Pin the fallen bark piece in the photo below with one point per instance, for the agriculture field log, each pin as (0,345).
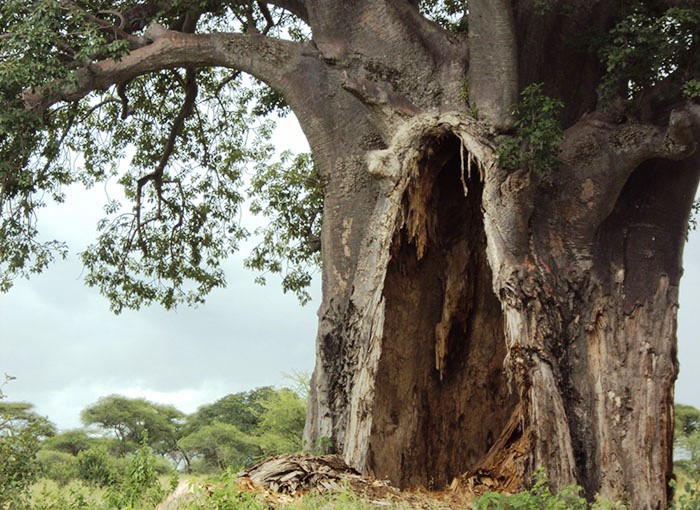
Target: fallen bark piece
(289,474)
(292,476)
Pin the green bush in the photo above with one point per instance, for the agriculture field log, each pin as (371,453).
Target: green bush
(535,145)
(74,496)
(20,434)
(18,466)
(540,497)
(688,498)
(58,466)
(96,466)
(140,487)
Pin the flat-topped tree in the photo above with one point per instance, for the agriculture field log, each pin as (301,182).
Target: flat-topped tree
(506,190)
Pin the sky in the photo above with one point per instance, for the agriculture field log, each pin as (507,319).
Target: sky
(67,349)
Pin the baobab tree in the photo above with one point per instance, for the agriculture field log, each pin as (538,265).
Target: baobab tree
(505,185)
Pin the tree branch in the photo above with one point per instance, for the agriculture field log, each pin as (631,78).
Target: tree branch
(188,105)
(265,58)
(296,7)
(599,156)
(118,31)
(493,61)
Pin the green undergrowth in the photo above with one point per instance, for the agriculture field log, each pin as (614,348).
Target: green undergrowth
(223,493)
(541,497)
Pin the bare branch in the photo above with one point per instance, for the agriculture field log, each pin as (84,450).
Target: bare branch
(118,15)
(268,17)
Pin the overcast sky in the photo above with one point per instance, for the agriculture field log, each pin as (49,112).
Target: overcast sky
(66,349)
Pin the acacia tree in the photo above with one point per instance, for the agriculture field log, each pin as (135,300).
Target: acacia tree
(506,190)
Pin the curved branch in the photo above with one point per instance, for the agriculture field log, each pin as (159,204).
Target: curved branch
(118,31)
(599,156)
(265,58)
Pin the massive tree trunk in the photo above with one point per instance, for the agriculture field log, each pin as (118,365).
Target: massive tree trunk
(480,318)
(502,321)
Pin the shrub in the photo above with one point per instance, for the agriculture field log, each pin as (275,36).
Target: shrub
(540,497)
(688,498)
(140,487)
(58,466)
(535,145)
(95,466)
(20,433)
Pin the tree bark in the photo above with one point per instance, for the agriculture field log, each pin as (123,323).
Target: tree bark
(504,321)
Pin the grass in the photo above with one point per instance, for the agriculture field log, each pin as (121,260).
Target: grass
(223,492)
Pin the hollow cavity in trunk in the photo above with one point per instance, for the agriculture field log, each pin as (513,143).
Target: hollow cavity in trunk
(442,398)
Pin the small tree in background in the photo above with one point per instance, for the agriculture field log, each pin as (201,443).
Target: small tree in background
(220,445)
(282,423)
(132,420)
(687,440)
(21,431)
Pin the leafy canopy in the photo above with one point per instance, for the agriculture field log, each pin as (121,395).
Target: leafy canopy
(173,147)
(136,421)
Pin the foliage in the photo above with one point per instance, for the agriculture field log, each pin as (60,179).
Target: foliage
(21,415)
(236,430)
(140,488)
(135,420)
(96,466)
(242,410)
(693,220)
(174,144)
(58,466)
(21,431)
(134,485)
(69,441)
(35,38)
(221,445)
(691,90)
(540,497)
(18,465)
(283,422)
(450,14)
(689,498)
(686,440)
(288,193)
(535,145)
(686,420)
(184,221)
(651,45)
(241,428)
(73,496)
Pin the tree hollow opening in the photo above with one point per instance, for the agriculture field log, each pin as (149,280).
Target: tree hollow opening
(441,395)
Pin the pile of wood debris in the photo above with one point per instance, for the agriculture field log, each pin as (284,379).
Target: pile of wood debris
(285,478)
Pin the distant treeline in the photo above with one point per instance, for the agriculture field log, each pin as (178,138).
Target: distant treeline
(232,432)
